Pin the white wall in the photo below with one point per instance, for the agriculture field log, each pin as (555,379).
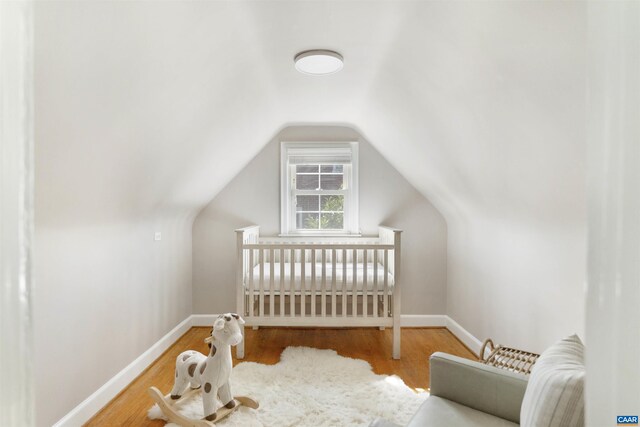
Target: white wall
(490,126)
(253,197)
(520,283)
(613,318)
(16,214)
(517,223)
(105,291)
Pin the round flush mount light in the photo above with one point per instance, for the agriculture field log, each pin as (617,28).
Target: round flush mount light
(318,62)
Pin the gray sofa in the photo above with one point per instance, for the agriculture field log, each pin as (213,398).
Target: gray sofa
(468,393)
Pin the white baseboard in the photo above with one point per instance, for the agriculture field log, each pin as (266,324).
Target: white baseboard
(435,320)
(463,335)
(422,320)
(92,404)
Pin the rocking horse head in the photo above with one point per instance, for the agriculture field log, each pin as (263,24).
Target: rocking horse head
(226,329)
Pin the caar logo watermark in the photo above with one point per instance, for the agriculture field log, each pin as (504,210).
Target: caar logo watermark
(627,420)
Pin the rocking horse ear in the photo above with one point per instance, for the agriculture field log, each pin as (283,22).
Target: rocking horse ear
(240,320)
(218,324)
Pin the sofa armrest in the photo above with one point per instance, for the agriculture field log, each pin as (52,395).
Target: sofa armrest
(486,388)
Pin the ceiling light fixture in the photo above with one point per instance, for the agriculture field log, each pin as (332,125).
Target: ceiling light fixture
(318,62)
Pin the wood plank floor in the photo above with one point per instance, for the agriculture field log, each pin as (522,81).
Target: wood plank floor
(130,407)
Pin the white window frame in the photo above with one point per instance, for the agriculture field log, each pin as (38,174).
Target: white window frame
(287,194)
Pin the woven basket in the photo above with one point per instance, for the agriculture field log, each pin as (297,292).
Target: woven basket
(511,359)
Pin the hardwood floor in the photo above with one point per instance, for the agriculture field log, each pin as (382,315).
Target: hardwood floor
(130,407)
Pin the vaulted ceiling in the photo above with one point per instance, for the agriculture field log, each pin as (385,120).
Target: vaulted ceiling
(144,107)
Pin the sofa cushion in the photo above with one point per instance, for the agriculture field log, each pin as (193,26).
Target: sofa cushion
(440,412)
(555,394)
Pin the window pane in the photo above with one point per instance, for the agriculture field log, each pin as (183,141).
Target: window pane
(306,168)
(332,182)
(307,203)
(307,221)
(332,203)
(332,221)
(331,169)
(306,182)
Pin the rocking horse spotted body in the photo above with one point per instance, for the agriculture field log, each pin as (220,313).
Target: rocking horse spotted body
(210,374)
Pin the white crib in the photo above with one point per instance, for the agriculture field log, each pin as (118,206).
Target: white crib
(289,281)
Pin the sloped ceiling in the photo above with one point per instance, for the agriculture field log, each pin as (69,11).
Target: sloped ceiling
(159,104)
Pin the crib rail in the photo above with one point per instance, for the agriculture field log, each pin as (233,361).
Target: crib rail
(351,282)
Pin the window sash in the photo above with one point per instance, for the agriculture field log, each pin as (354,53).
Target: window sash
(293,225)
(295,154)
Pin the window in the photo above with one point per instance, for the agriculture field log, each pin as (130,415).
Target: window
(319,188)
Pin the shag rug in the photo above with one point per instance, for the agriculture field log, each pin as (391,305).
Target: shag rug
(311,387)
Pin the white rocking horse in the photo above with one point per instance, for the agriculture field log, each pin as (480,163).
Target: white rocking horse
(210,374)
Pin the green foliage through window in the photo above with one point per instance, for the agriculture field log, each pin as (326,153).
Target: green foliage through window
(322,210)
(331,215)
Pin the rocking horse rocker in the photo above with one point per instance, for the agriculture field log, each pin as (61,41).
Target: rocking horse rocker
(210,374)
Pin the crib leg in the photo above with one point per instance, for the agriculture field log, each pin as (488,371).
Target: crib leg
(240,347)
(396,337)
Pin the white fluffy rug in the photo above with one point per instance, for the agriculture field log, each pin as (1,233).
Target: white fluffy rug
(311,387)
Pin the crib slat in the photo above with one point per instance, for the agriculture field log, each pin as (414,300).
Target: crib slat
(343,287)
(385,301)
(281,288)
(251,285)
(261,302)
(354,284)
(333,283)
(375,283)
(271,283)
(313,283)
(364,283)
(292,285)
(303,282)
(323,298)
